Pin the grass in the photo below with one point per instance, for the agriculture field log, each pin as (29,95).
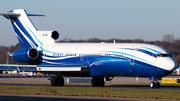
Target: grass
(94,91)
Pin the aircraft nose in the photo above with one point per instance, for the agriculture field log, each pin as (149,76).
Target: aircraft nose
(172,64)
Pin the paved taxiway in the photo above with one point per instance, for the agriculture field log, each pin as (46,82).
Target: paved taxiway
(118,80)
(17,97)
(114,80)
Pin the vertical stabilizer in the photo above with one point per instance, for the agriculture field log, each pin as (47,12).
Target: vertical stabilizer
(25,30)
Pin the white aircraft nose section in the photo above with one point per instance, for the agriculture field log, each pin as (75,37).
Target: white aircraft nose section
(168,63)
(171,64)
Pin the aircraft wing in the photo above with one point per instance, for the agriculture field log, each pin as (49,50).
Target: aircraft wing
(45,68)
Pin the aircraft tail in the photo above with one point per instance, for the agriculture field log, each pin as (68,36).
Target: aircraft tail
(27,34)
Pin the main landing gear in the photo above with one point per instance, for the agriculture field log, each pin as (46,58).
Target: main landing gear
(57,81)
(154,84)
(98,81)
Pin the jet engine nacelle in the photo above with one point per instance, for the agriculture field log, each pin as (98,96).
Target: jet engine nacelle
(51,34)
(47,36)
(25,55)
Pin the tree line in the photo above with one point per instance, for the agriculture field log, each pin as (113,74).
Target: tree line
(168,42)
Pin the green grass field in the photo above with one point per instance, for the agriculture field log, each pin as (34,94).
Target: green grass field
(94,91)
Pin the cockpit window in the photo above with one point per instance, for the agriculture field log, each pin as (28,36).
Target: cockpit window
(156,55)
(162,55)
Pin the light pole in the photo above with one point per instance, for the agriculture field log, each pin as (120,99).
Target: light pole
(8,57)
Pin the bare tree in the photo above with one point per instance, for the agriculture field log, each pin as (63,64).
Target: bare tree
(168,38)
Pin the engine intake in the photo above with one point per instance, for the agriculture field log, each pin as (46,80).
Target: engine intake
(33,54)
(55,35)
(25,55)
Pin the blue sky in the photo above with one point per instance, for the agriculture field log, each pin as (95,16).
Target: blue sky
(104,19)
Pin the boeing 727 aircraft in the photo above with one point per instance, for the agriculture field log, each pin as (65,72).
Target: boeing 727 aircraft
(102,61)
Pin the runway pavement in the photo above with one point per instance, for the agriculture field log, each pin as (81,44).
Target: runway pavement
(114,80)
(119,80)
(18,97)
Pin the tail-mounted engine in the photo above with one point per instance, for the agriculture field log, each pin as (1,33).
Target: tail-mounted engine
(55,35)
(47,36)
(25,55)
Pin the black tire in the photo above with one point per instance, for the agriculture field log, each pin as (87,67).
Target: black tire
(157,85)
(152,84)
(60,81)
(101,82)
(54,82)
(94,82)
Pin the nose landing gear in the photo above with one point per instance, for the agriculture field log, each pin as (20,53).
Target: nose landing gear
(154,84)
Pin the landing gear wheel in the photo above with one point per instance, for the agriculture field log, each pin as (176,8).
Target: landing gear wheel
(54,82)
(101,82)
(98,81)
(157,85)
(94,82)
(152,84)
(60,81)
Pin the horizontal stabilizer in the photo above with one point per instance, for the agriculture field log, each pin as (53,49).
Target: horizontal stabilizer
(18,14)
(10,14)
(35,15)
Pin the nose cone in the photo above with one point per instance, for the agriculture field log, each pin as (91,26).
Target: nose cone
(171,64)
(168,64)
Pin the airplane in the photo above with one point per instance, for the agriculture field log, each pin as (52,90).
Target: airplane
(101,61)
